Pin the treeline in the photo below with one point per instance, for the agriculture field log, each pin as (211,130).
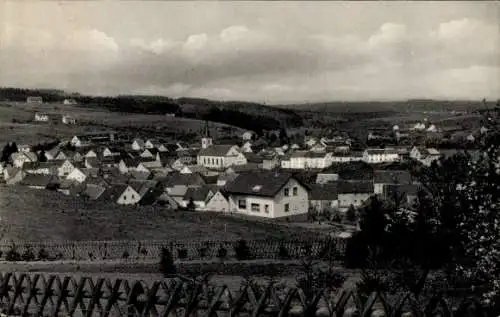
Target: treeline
(132,104)
(246,121)
(20,94)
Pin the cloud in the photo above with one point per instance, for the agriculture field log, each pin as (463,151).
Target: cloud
(259,60)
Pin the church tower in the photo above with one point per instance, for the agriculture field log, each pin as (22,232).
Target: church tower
(206,140)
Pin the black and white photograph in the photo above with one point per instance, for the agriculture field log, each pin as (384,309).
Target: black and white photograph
(249,158)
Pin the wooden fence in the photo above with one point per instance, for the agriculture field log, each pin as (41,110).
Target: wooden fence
(53,296)
(193,250)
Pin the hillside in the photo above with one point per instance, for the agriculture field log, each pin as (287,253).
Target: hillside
(384,107)
(245,115)
(29,214)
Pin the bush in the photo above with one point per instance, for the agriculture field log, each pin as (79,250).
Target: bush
(28,255)
(242,250)
(182,253)
(222,252)
(202,252)
(283,253)
(12,255)
(43,254)
(167,266)
(125,255)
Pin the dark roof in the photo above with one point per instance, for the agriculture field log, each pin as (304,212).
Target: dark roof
(249,167)
(93,191)
(323,192)
(392,177)
(38,180)
(253,158)
(216,150)
(113,192)
(406,189)
(262,183)
(150,196)
(355,187)
(198,193)
(173,179)
(212,179)
(356,171)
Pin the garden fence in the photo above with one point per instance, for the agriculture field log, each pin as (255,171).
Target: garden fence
(53,296)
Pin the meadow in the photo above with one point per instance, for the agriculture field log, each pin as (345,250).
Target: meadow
(33,215)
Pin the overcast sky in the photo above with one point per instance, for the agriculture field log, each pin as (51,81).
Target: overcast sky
(274,52)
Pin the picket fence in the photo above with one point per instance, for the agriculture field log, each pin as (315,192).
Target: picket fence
(150,249)
(53,296)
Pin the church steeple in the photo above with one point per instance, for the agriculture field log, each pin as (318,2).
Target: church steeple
(206,139)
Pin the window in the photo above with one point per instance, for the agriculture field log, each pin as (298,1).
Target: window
(295,190)
(287,207)
(124,197)
(266,209)
(287,192)
(255,207)
(242,204)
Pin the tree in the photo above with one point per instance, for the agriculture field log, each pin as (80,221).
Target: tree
(351,214)
(191,205)
(42,157)
(13,147)
(167,266)
(6,152)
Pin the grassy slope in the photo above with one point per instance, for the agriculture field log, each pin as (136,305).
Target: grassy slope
(29,214)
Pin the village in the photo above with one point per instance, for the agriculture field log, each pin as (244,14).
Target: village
(323,173)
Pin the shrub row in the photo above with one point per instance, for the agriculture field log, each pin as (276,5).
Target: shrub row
(239,250)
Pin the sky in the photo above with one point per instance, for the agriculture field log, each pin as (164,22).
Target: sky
(270,52)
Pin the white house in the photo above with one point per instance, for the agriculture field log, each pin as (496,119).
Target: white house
(77,175)
(129,196)
(218,202)
(90,153)
(374,156)
(34,100)
(66,119)
(41,117)
(220,156)
(24,148)
(65,168)
(353,193)
(69,102)
(247,136)
(149,144)
(267,194)
(138,145)
(19,158)
(247,147)
(424,155)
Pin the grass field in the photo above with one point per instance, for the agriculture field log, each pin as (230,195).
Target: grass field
(30,214)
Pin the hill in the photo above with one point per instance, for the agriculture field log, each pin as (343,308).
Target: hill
(34,215)
(385,107)
(249,116)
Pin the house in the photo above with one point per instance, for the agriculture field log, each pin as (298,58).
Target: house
(220,156)
(268,194)
(246,147)
(425,155)
(310,141)
(38,181)
(219,201)
(383,178)
(138,145)
(113,193)
(70,102)
(199,196)
(149,144)
(45,168)
(406,193)
(129,196)
(70,187)
(19,158)
(247,136)
(109,152)
(2,167)
(94,138)
(41,117)
(323,196)
(66,119)
(24,148)
(65,168)
(224,178)
(202,170)
(353,193)
(270,161)
(13,175)
(91,153)
(374,156)
(34,100)
(78,174)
